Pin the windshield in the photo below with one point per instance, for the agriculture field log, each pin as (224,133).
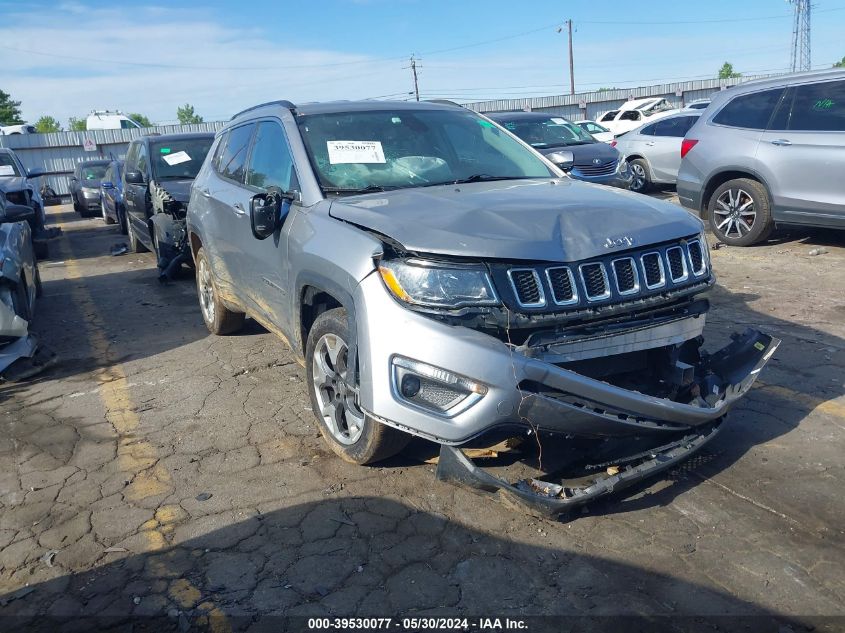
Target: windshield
(179,159)
(551,132)
(8,166)
(389,149)
(93,172)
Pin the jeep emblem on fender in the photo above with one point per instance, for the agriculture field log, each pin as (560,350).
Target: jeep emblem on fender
(615,242)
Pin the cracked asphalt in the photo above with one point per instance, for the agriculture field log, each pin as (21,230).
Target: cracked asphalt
(158,470)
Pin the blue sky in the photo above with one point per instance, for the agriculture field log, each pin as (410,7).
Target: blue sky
(66,58)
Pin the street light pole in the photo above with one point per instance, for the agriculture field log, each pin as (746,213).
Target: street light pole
(571,61)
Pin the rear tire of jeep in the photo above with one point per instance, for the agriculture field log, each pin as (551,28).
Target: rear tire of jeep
(20,300)
(217,317)
(353,435)
(39,287)
(641,181)
(740,213)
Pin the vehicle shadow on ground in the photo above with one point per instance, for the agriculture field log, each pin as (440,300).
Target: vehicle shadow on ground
(362,556)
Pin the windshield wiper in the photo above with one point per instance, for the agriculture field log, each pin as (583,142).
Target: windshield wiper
(367,189)
(485,178)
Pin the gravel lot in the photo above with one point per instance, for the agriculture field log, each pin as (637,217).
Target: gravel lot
(158,470)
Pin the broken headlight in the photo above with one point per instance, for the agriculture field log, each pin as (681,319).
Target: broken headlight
(426,283)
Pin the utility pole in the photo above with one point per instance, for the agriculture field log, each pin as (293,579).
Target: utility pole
(800,58)
(416,83)
(571,61)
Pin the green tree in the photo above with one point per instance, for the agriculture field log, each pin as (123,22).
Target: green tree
(140,119)
(727,71)
(840,64)
(75,124)
(47,124)
(186,115)
(10,110)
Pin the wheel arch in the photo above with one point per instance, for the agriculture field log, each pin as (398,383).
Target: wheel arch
(316,294)
(718,179)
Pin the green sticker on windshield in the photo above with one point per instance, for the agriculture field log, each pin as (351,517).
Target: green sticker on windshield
(164,150)
(484,123)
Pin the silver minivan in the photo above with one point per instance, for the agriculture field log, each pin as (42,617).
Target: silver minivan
(768,152)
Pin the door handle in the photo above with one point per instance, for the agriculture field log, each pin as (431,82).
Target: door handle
(205,193)
(781,142)
(650,143)
(239,209)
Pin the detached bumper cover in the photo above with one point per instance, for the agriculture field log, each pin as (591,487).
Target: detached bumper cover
(552,499)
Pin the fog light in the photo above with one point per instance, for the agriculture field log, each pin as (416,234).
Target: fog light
(410,386)
(434,388)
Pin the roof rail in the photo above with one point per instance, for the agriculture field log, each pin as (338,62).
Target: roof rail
(444,102)
(282,102)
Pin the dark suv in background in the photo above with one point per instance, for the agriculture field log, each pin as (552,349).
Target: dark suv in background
(568,146)
(158,171)
(768,152)
(85,185)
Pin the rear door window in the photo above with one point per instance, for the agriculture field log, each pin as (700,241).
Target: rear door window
(676,126)
(751,111)
(610,115)
(630,115)
(818,107)
(232,162)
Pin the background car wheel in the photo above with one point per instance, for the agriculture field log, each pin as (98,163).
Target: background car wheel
(134,244)
(41,249)
(350,433)
(740,212)
(106,217)
(121,218)
(76,206)
(641,181)
(39,288)
(218,318)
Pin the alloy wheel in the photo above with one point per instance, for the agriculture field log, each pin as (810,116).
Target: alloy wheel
(338,401)
(206,290)
(639,177)
(735,212)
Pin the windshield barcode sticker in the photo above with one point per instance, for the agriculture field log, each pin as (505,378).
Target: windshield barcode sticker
(175,159)
(344,152)
(7,170)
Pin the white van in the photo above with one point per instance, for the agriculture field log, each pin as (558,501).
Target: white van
(25,128)
(108,120)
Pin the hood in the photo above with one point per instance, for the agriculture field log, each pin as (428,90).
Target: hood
(179,189)
(584,154)
(544,220)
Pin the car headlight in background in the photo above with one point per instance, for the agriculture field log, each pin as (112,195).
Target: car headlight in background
(90,191)
(425,283)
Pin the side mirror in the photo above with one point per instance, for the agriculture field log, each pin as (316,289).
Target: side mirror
(134,177)
(17,213)
(107,185)
(35,172)
(267,212)
(564,159)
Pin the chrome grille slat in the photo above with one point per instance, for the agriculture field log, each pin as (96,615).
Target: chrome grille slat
(597,170)
(562,282)
(527,287)
(677,262)
(594,277)
(655,274)
(626,275)
(697,257)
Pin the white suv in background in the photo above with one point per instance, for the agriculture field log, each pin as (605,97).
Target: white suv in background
(634,113)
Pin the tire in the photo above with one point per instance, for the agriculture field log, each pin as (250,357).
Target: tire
(76,206)
(121,218)
(39,288)
(740,213)
(134,244)
(351,434)
(20,300)
(217,317)
(41,249)
(641,182)
(106,217)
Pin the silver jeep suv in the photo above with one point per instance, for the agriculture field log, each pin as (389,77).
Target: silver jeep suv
(437,277)
(768,152)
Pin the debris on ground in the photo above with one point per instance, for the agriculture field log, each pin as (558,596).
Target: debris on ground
(24,359)
(717,245)
(119,249)
(203,496)
(818,251)
(48,557)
